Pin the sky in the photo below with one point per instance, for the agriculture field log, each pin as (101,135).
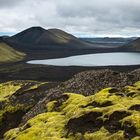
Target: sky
(83,18)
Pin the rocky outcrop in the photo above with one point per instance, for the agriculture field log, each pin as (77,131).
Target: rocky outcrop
(16,98)
(106,115)
(86,83)
(90,105)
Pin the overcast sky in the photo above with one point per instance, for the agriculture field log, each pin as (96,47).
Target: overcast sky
(79,17)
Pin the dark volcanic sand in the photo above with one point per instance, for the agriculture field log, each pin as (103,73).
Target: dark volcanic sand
(23,71)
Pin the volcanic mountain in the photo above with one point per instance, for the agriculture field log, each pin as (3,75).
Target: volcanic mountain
(41,41)
(37,38)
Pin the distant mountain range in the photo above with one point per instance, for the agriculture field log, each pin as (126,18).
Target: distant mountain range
(110,40)
(39,43)
(38,38)
(134,45)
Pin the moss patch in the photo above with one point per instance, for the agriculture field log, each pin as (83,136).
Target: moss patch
(16,98)
(78,117)
(10,88)
(7,89)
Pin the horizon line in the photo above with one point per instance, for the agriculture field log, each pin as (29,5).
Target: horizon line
(82,35)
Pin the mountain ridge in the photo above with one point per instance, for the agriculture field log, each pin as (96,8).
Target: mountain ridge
(40,38)
(134,45)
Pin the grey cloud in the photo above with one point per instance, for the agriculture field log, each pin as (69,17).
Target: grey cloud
(116,17)
(112,11)
(9,3)
(109,15)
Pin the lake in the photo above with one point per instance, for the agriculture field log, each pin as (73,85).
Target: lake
(101,59)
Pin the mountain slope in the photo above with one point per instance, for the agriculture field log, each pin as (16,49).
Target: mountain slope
(39,38)
(8,54)
(134,45)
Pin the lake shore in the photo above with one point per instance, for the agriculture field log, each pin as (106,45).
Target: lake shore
(23,71)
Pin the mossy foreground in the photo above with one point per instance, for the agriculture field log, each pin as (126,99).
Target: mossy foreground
(16,98)
(107,115)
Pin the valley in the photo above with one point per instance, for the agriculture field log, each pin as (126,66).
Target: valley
(37,43)
(99,78)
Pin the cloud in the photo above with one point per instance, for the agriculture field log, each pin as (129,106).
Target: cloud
(9,3)
(94,17)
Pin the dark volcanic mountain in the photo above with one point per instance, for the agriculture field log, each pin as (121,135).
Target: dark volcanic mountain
(45,42)
(37,38)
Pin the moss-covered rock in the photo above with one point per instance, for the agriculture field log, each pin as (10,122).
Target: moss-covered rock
(10,88)
(16,98)
(107,115)
(87,83)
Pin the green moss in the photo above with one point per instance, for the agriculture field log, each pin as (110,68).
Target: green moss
(51,105)
(12,134)
(52,124)
(41,128)
(133,90)
(11,109)
(134,120)
(72,107)
(136,138)
(34,85)
(9,88)
(103,134)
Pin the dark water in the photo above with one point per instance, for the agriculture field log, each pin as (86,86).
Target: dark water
(102,59)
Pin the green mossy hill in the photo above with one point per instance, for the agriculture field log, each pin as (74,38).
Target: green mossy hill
(16,98)
(87,83)
(110,114)
(8,54)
